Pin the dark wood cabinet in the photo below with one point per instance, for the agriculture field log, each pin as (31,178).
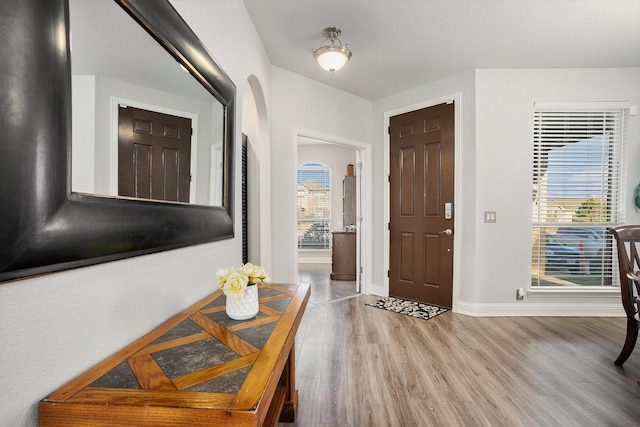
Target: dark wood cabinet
(343,255)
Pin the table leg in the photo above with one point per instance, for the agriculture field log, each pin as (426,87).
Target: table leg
(290,407)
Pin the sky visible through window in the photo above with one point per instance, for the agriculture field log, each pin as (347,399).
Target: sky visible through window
(576,170)
(315,171)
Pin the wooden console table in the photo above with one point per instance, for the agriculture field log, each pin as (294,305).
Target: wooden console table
(199,368)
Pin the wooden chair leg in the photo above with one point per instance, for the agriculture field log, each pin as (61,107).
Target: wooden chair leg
(629,343)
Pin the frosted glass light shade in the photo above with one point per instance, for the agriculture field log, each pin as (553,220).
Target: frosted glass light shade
(332,58)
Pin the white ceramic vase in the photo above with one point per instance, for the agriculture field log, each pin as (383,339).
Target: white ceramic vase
(245,307)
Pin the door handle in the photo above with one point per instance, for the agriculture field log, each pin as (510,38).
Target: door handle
(447,232)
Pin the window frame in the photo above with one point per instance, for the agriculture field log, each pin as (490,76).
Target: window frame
(324,169)
(615,189)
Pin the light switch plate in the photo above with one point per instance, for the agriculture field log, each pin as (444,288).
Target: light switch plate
(490,216)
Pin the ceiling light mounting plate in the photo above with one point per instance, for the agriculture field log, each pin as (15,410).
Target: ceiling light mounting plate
(331,33)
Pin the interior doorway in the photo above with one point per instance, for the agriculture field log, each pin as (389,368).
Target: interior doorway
(345,165)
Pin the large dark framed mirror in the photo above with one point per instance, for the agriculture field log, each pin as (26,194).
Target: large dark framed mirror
(44,225)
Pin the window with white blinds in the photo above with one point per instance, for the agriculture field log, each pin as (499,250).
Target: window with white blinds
(578,168)
(314,206)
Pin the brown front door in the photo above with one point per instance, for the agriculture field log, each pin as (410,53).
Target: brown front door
(421,228)
(154,155)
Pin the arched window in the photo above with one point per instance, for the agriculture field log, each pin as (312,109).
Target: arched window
(314,206)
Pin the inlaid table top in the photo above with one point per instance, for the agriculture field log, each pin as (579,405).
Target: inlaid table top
(198,368)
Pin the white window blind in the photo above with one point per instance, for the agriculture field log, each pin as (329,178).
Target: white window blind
(578,168)
(314,206)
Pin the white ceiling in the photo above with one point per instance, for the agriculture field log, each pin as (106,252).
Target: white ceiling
(401,44)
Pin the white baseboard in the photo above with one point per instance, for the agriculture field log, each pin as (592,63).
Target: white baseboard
(526,309)
(314,260)
(540,309)
(374,290)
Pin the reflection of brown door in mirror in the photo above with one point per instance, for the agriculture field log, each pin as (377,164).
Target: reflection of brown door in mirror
(421,192)
(154,155)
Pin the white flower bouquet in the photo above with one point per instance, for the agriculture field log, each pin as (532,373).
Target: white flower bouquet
(234,281)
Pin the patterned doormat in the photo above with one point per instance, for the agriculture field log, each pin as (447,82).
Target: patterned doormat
(409,307)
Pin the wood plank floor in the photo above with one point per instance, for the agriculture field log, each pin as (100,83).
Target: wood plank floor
(323,289)
(362,366)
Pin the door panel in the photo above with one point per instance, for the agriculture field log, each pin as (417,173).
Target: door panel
(432,180)
(432,250)
(406,254)
(422,181)
(170,174)
(407,182)
(141,175)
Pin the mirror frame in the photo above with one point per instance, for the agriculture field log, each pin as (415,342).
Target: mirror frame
(44,226)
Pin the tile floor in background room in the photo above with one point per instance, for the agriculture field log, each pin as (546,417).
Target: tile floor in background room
(323,289)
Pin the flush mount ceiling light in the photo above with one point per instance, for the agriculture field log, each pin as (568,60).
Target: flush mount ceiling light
(331,55)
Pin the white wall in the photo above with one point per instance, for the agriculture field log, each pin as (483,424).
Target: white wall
(54,327)
(83,92)
(299,103)
(494,169)
(251,128)
(226,29)
(504,117)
